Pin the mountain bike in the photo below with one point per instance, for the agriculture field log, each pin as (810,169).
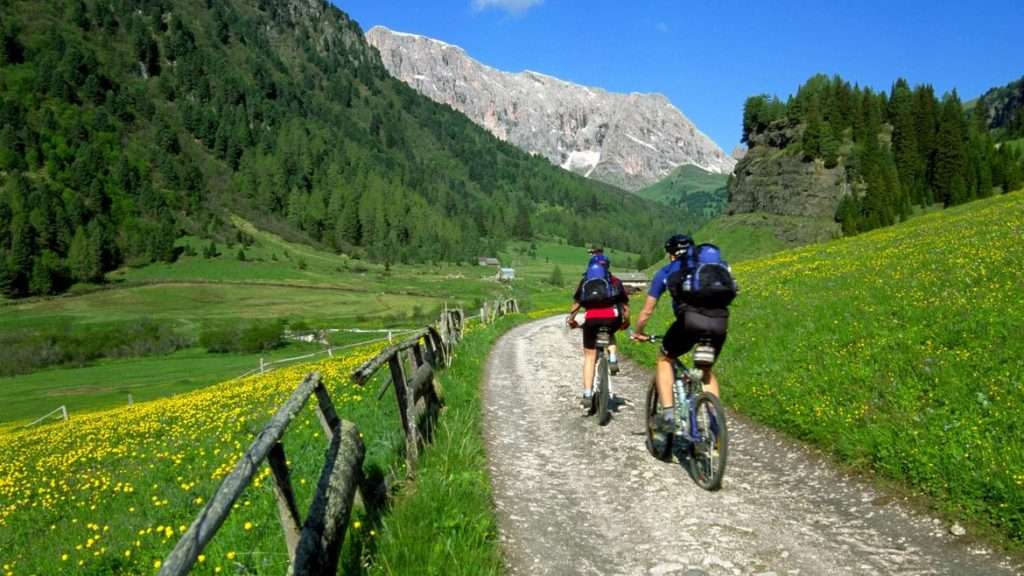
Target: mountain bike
(602,384)
(700,437)
(602,387)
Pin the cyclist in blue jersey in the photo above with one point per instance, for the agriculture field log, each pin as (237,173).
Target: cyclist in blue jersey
(690,326)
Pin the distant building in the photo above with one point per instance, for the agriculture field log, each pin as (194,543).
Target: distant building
(487,261)
(633,282)
(506,274)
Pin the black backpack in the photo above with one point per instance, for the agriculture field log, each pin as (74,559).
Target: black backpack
(705,281)
(598,290)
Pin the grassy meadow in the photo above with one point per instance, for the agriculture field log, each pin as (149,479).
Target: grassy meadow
(898,351)
(276,280)
(112,491)
(749,236)
(110,381)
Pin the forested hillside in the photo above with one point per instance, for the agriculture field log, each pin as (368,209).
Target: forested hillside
(701,193)
(873,156)
(128,123)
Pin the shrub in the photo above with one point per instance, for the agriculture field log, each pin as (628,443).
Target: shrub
(556,277)
(250,337)
(28,350)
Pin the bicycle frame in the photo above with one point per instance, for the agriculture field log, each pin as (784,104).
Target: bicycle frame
(687,384)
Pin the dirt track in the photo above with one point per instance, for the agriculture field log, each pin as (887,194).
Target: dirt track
(575,498)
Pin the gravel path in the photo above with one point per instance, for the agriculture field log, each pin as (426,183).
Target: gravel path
(576,498)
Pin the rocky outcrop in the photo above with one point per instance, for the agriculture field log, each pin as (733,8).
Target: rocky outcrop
(1003,104)
(770,180)
(628,140)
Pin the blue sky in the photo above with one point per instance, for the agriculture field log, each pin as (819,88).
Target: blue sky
(707,57)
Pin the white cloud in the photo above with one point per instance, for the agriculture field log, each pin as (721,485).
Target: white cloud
(511,6)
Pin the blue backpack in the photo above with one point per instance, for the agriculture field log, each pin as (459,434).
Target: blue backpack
(706,281)
(598,290)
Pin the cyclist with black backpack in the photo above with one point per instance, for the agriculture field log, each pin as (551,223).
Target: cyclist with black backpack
(604,298)
(702,287)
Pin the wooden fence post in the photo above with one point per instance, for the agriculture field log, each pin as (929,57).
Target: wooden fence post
(325,410)
(323,533)
(398,383)
(287,511)
(217,508)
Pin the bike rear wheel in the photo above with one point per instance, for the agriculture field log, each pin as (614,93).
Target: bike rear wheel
(710,449)
(662,451)
(602,391)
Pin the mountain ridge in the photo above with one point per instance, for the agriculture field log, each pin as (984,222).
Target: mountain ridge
(630,140)
(130,123)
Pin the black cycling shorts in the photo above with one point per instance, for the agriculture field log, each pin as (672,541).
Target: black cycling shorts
(693,327)
(591,326)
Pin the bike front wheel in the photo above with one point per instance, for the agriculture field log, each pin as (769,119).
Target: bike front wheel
(602,391)
(710,442)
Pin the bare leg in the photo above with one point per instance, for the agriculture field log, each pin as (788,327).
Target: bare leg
(710,382)
(589,361)
(664,380)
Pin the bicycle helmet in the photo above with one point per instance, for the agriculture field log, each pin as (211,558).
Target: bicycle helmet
(600,259)
(677,244)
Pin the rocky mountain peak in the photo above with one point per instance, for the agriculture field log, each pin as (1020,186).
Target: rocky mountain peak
(628,140)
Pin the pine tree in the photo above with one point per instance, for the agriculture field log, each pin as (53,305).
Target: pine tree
(84,258)
(556,277)
(904,139)
(522,227)
(813,134)
(19,268)
(950,154)
(926,124)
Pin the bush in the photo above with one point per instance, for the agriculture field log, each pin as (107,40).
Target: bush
(250,337)
(25,351)
(556,277)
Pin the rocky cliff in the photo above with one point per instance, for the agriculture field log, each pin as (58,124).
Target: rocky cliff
(628,140)
(772,181)
(774,178)
(1003,105)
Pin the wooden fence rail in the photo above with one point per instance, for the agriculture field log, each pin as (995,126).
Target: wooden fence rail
(267,446)
(314,545)
(491,311)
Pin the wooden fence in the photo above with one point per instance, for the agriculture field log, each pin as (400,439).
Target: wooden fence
(490,311)
(315,543)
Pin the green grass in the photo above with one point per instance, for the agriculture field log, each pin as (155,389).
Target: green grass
(1016,145)
(747,236)
(331,291)
(445,524)
(897,351)
(131,479)
(195,303)
(111,492)
(107,383)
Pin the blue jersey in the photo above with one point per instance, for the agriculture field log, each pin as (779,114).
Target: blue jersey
(660,282)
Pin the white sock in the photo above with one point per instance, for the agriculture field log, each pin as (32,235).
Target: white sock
(611,357)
